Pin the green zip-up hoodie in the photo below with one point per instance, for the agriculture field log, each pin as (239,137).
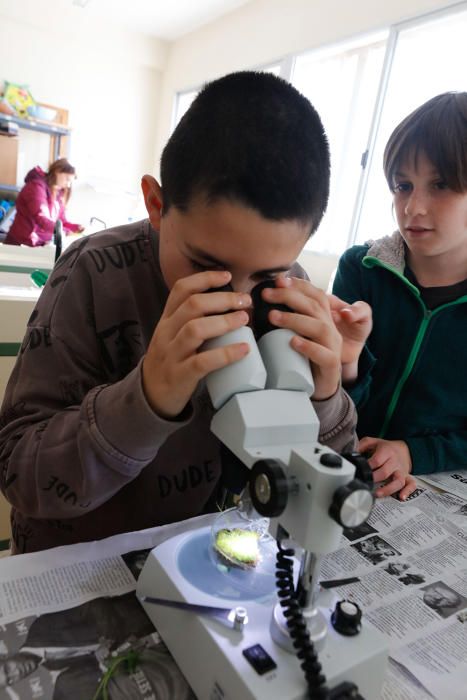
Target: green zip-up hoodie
(412,378)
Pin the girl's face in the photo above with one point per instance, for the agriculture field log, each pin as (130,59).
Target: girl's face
(64,180)
(432,218)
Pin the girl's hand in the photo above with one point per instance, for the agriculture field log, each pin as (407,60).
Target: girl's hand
(391,462)
(354,322)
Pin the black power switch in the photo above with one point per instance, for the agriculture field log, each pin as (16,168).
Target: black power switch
(259,659)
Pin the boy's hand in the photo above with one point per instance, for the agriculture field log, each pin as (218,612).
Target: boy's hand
(391,462)
(317,336)
(173,366)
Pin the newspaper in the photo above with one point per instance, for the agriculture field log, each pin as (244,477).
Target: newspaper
(411,561)
(72,628)
(454,482)
(70,622)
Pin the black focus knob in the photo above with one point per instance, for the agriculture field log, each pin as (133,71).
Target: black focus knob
(347,618)
(363,471)
(331,459)
(269,488)
(351,504)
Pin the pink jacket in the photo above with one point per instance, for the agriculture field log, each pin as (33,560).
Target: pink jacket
(37,212)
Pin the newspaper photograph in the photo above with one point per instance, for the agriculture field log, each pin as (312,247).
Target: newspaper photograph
(108,642)
(77,631)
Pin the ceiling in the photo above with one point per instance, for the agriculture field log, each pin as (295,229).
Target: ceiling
(164,19)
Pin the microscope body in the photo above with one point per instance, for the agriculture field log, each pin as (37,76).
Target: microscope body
(280,425)
(265,413)
(268,423)
(265,417)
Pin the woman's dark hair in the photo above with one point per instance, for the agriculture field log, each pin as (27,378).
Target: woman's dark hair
(438,128)
(60,166)
(252,138)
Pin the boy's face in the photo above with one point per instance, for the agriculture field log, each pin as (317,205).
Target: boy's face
(432,218)
(227,236)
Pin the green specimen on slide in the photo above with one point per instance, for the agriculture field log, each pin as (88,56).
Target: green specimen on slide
(239,547)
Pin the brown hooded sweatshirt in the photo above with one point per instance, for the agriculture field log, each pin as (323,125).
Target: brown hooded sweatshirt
(82,454)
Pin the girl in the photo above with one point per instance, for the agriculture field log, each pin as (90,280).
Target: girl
(410,383)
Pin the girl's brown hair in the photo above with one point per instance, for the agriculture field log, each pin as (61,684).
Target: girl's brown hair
(60,166)
(438,128)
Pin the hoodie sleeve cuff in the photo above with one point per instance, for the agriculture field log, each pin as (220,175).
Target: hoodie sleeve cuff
(337,420)
(126,422)
(359,390)
(423,456)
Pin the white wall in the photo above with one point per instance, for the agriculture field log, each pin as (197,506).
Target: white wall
(263,31)
(109,80)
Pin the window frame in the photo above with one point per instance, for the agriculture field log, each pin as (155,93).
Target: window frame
(395,31)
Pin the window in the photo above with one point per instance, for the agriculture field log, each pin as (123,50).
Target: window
(429,58)
(182,102)
(341,84)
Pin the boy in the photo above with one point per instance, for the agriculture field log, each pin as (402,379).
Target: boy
(106,418)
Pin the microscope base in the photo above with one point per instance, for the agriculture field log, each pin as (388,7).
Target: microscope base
(210,655)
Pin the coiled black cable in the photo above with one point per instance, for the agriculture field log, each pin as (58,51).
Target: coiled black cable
(296,623)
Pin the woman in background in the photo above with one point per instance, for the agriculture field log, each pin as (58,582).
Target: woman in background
(41,202)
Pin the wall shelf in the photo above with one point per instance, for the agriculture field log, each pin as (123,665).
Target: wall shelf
(9,189)
(36,125)
(58,132)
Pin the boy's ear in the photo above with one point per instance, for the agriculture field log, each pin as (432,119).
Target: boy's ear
(152,194)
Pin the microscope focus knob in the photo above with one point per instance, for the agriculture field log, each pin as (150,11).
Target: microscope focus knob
(363,471)
(346,618)
(331,460)
(351,504)
(269,488)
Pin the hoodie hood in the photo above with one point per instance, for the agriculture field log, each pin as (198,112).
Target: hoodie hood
(389,250)
(35,174)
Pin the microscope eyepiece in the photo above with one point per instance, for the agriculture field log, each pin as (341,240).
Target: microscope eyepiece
(261,309)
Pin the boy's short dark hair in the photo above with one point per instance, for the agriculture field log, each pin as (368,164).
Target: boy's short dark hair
(438,128)
(252,138)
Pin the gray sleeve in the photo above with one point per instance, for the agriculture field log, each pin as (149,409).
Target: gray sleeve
(70,437)
(338,420)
